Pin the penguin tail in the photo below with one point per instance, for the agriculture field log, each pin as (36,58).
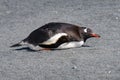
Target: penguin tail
(18,44)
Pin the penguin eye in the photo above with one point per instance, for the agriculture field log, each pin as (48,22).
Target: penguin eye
(85,30)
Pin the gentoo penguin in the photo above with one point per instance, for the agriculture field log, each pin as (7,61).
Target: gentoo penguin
(56,35)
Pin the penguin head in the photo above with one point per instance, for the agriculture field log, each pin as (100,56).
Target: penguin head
(88,33)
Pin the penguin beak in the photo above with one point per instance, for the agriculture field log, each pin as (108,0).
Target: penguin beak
(95,35)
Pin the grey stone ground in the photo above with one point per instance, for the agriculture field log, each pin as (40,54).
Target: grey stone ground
(101,61)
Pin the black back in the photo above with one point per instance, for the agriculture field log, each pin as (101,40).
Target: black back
(46,31)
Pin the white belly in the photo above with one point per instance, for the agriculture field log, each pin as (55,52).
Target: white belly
(71,45)
(66,45)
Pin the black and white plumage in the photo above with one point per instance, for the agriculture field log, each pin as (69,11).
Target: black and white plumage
(56,35)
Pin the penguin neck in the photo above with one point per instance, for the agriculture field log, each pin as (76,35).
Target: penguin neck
(85,38)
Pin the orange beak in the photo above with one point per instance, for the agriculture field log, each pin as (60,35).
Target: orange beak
(95,35)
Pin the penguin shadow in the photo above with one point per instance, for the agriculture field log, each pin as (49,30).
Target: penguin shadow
(24,49)
(85,46)
(30,50)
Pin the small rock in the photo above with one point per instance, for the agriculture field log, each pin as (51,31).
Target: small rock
(117,18)
(74,67)
(109,72)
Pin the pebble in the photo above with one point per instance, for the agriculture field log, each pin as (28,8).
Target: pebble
(74,67)
(117,18)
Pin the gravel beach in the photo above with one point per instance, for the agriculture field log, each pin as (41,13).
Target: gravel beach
(100,61)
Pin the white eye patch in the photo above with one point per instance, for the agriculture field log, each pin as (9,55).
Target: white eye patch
(85,30)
